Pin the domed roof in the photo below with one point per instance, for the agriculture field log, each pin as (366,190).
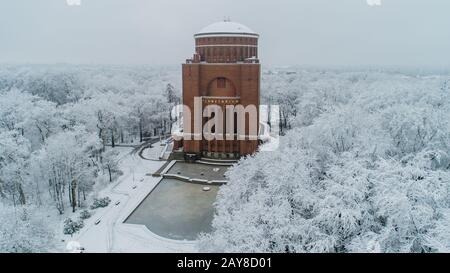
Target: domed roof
(226,28)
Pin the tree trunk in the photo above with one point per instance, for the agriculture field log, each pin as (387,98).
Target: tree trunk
(22,199)
(171,121)
(281,123)
(74,195)
(109,171)
(41,133)
(2,194)
(59,197)
(78,197)
(140,130)
(113,144)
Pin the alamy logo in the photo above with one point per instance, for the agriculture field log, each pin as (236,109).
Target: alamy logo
(374,3)
(227,122)
(73,247)
(73,2)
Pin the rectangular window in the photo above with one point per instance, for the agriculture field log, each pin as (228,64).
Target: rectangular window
(221,83)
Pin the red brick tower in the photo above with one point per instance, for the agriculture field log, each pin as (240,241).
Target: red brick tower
(224,70)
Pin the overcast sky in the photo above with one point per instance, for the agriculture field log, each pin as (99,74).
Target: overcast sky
(292,32)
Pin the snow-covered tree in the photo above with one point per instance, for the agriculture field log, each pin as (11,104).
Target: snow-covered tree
(66,163)
(14,154)
(25,230)
(367,170)
(110,163)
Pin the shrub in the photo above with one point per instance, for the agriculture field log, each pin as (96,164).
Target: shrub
(70,226)
(100,202)
(85,214)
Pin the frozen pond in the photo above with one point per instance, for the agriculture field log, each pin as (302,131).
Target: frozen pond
(176,210)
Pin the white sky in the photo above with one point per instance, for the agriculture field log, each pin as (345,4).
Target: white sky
(303,32)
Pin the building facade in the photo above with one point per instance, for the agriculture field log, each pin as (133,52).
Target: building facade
(224,70)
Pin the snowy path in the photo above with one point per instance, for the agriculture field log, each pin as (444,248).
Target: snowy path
(111,234)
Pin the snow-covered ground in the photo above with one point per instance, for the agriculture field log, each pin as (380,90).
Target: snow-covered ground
(111,234)
(155,152)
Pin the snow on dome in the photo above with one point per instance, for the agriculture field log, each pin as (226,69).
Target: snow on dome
(226,27)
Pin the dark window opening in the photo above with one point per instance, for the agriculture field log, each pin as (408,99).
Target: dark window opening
(221,83)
